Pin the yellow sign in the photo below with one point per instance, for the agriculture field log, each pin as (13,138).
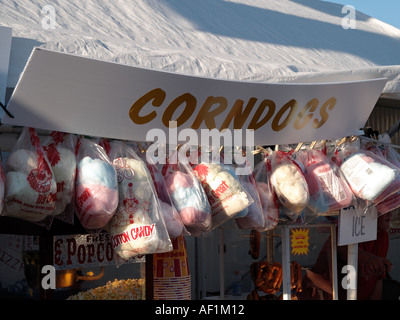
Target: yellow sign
(299,241)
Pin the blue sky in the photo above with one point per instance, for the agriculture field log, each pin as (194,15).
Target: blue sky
(384,10)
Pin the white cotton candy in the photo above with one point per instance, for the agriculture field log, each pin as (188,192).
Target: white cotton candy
(133,228)
(367,177)
(225,194)
(22,160)
(64,174)
(64,170)
(20,198)
(290,186)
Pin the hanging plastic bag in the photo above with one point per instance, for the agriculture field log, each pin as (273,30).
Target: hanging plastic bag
(96,188)
(392,201)
(267,217)
(226,195)
(328,190)
(30,191)
(138,225)
(367,174)
(289,183)
(60,150)
(173,220)
(187,195)
(384,152)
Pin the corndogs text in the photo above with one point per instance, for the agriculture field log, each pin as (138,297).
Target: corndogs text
(314,112)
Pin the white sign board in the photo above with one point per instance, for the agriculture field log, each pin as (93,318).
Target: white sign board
(85,251)
(5,49)
(63,92)
(355,227)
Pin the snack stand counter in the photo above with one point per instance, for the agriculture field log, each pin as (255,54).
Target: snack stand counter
(71,282)
(295,112)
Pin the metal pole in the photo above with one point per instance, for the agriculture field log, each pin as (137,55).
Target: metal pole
(286,286)
(352,260)
(334,263)
(221,265)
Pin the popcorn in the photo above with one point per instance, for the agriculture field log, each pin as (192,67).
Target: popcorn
(128,289)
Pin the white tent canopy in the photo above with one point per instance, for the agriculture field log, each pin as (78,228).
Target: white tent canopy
(258,41)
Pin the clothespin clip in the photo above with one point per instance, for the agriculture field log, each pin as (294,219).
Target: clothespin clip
(299,145)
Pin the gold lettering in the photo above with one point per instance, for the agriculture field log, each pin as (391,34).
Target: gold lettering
(312,105)
(157,95)
(292,104)
(237,114)
(208,116)
(271,109)
(330,103)
(190,106)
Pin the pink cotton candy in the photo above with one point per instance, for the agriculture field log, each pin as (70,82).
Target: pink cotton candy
(179,179)
(95,205)
(192,217)
(173,221)
(328,192)
(269,203)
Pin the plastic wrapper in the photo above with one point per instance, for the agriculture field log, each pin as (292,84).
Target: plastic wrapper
(60,150)
(226,195)
(96,188)
(367,174)
(289,183)
(188,196)
(264,212)
(392,201)
(173,220)
(384,152)
(328,189)
(137,226)
(30,189)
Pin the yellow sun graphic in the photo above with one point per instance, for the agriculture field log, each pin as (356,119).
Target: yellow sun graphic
(299,241)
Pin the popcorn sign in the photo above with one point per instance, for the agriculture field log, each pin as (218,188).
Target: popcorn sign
(77,251)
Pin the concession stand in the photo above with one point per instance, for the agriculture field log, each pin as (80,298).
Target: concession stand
(276,123)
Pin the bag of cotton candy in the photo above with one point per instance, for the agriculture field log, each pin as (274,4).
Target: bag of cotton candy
(30,189)
(328,190)
(367,174)
(289,183)
(138,226)
(60,150)
(187,195)
(173,220)
(96,187)
(269,203)
(226,195)
(392,201)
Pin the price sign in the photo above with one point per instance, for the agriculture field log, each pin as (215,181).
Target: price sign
(355,227)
